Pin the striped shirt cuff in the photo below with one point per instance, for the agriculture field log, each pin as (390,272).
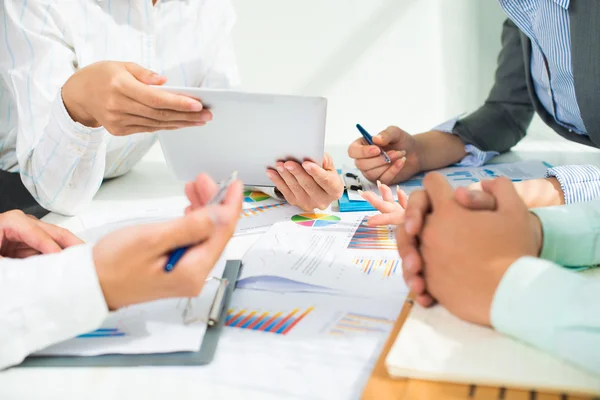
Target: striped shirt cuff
(579,183)
(474,157)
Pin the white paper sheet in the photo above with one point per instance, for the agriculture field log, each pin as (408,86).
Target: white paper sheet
(457,176)
(154,327)
(338,253)
(319,368)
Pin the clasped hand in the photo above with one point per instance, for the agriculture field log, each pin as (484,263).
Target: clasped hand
(456,245)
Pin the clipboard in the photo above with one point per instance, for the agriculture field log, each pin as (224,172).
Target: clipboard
(202,357)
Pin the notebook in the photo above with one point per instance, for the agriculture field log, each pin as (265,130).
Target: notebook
(435,345)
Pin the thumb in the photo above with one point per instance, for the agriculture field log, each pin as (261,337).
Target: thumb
(392,134)
(145,75)
(193,228)
(328,163)
(503,190)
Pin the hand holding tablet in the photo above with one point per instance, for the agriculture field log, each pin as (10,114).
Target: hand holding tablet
(272,140)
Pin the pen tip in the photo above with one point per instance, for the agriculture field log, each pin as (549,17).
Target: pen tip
(234,174)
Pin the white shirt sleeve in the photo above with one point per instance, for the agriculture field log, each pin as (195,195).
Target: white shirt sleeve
(47,299)
(61,162)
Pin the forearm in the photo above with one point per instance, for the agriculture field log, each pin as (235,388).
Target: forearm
(45,300)
(438,149)
(552,309)
(65,167)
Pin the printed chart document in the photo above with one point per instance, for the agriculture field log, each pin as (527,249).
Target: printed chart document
(324,368)
(457,176)
(259,218)
(325,252)
(259,212)
(154,327)
(312,315)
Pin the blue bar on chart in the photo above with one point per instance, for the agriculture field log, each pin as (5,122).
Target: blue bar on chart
(103,332)
(273,322)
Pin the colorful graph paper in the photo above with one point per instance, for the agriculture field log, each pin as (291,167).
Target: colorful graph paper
(315,220)
(255,197)
(383,267)
(266,321)
(354,323)
(249,212)
(102,333)
(372,238)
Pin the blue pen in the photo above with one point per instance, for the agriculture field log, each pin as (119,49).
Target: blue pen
(217,198)
(369,140)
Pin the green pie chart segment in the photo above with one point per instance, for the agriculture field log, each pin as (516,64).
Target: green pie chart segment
(315,220)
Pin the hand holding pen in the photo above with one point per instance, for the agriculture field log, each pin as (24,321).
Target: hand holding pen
(371,155)
(198,199)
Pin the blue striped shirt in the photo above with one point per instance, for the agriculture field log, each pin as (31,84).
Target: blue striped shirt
(547,24)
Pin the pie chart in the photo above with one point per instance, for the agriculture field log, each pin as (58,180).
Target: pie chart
(254,197)
(315,220)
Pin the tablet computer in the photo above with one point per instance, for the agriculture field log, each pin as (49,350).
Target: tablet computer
(249,133)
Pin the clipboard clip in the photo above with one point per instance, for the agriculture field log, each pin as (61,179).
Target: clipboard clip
(216,309)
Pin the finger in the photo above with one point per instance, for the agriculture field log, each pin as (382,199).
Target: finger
(379,204)
(360,149)
(205,189)
(145,75)
(63,237)
(393,171)
(234,197)
(386,192)
(282,187)
(135,108)
(192,195)
(407,248)
(438,189)
(158,99)
(295,187)
(504,192)
(416,284)
(318,196)
(369,164)
(391,134)
(135,120)
(32,235)
(402,197)
(418,206)
(130,130)
(393,218)
(327,179)
(411,260)
(425,300)
(192,228)
(474,199)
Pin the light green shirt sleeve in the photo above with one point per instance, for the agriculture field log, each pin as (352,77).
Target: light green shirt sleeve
(551,308)
(571,233)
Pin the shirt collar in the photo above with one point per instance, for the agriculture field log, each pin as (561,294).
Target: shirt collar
(563,3)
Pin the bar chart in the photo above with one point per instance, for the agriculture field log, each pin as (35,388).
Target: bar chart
(355,323)
(279,322)
(372,237)
(384,267)
(251,212)
(103,333)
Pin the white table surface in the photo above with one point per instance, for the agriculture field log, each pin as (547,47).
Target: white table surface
(151,179)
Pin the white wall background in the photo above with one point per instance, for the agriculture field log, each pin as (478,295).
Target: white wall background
(412,63)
